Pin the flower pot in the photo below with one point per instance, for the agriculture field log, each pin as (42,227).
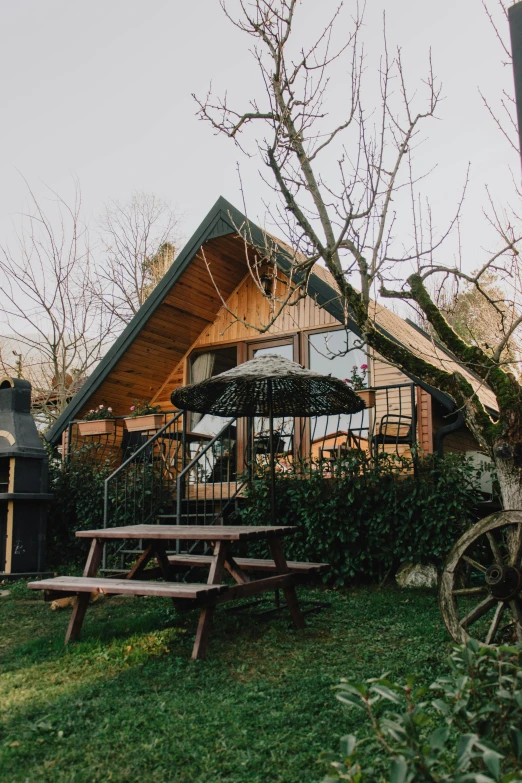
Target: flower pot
(368,395)
(96,427)
(150,421)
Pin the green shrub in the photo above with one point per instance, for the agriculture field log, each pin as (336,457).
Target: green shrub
(374,515)
(78,486)
(464,728)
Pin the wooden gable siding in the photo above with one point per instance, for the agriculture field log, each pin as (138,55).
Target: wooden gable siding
(459,442)
(169,333)
(425,421)
(248,302)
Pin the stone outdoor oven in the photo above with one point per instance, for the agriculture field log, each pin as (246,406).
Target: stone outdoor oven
(23,483)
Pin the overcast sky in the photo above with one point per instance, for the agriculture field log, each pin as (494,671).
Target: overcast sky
(102,90)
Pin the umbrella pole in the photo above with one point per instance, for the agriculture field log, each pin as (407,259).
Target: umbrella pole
(272,455)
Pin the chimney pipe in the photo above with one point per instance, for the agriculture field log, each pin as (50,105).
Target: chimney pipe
(515,29)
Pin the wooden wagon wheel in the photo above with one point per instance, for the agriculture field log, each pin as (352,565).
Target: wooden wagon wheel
(481,586)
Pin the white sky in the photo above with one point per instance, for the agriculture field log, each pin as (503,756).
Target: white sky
(102,90)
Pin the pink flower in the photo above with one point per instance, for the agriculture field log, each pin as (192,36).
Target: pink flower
(91,411)
(100,407)
(133,407)
(364,366)
(355,367)
(109,409)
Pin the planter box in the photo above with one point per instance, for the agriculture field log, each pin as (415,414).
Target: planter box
(368,395)
(151,421)
(97,427)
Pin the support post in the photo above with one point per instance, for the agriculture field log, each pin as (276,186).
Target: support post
(80,607)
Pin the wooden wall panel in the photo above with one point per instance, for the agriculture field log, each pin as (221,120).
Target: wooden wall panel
(249,303)
(425,421)
(458,442)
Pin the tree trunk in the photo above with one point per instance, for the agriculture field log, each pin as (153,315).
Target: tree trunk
(509,473)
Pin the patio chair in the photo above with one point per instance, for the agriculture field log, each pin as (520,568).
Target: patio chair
(394,428)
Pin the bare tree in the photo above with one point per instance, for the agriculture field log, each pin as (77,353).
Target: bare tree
(479,319)
(139,238)
(54,328)
(341,191)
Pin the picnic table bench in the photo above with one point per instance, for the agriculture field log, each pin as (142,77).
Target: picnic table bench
(284,575)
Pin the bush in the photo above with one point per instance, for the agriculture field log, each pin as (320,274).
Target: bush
(374,515)
(464,728)
(78,489)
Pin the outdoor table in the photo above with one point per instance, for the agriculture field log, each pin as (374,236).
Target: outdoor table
(185,595)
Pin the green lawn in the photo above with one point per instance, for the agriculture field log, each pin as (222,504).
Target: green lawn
(127,704)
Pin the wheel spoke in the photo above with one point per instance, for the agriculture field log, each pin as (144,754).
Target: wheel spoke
(494,548)
(516,611)
(474,564)
(493,628)
(470,590)
(478,611)
(515,546)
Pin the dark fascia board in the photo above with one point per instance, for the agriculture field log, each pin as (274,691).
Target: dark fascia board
(223,219)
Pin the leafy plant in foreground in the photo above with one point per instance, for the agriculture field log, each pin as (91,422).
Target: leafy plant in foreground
(464,728)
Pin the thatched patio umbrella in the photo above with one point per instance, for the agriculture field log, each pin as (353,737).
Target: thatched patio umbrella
(269,386)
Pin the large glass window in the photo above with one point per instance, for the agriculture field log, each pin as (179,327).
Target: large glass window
(286,351)
(205,365)
(283,428)
(336,353)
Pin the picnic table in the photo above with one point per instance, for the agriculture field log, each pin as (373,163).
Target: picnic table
(140,580)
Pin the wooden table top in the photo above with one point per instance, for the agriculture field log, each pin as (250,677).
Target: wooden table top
(190,532)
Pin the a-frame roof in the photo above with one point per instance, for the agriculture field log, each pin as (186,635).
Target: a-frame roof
(225,220)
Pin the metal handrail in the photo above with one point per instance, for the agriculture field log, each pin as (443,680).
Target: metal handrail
(200,457)
(205,449)
(145,445)
(130,459)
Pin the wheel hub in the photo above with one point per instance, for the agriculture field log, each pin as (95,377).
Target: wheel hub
(503,581)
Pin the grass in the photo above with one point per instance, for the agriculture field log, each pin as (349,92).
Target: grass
(126,703)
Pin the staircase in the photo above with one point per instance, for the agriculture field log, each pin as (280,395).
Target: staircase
(172,479)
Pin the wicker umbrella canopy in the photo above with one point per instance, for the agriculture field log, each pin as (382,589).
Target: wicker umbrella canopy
(268,386)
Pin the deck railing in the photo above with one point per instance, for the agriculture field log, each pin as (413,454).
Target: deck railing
(144,484)
(178,476)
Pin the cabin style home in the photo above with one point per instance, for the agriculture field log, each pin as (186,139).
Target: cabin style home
(186,332)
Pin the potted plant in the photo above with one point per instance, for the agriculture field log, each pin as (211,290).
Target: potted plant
(357,381)
(144,416)
(99,421)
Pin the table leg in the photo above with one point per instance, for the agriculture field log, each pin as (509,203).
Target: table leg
(276,548)
(142,561)
(235,571)
(215,577)
(80,607)
(163,561)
